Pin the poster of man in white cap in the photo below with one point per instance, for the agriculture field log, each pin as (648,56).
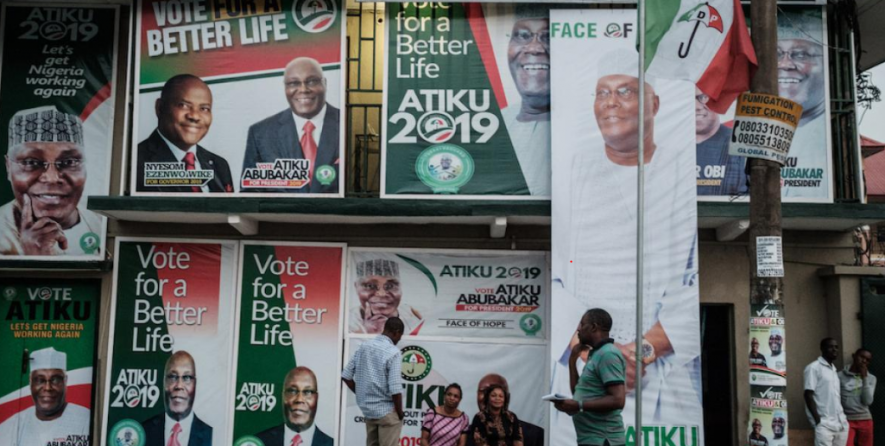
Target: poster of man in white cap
(53,417)
(46,362)
(595,157)
(57,117)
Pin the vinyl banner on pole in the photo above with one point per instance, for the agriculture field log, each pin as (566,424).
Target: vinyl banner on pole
(238,98)
(429,366)
(46,364)
(802,78)
(170,361)
(595,150)
(453,294)
(289,347)
(58,89)
(467,101)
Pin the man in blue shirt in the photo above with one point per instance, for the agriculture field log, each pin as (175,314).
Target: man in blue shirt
(374,375)
(599,392)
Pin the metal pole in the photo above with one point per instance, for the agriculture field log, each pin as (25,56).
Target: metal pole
(640,229)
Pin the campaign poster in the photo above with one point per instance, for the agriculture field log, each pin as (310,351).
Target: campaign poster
(594,221)
(476,294)
(430,366)
(170,356)
(238,98)
(289,343)
(768,354)
(58,91)
(768,416)
(802,78)
(46,364)
(467,101)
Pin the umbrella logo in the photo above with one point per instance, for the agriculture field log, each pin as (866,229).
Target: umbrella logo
(314,16)
(436,127)
(702,13)
(416,363)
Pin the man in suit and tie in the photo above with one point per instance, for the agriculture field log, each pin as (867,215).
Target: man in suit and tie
(184,115)
(178,425)
(300,396)
(307,130)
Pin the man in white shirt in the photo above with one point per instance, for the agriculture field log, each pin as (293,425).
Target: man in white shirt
(184,115)
(178,425)
(52,419)
(822,400)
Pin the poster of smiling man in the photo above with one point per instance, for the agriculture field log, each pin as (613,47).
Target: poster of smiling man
(238,98)
(57,118)
(467,101)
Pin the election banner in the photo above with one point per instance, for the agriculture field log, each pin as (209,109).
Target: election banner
(238,98)
(289,342)
(473,294)
(46,364)
(768,354)
(768,416)
(58,90)
(171,345)
(594,219)
(802,78)
(467,101)
(428,367)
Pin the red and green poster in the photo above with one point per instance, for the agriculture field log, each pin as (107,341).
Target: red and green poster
(467,101)
(57,115)
(238,98)
(289,343)
(171,348)
(46,364)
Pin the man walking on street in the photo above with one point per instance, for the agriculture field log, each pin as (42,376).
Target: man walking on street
(374,374)
(599,391)
(822,401)
(858,386)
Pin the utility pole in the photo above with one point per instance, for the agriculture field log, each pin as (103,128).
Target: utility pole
(766,293)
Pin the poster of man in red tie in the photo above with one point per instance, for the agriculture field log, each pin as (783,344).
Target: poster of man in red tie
(211,79)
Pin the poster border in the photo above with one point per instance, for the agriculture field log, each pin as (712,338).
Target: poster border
(388,29)
(115,60)
(109,358)
(128,168)
(831,185)
(341,315)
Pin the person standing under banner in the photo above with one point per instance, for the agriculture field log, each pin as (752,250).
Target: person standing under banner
(599,391)
(857,388)
(374,374)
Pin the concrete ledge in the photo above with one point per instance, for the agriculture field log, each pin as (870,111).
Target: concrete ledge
(844,270)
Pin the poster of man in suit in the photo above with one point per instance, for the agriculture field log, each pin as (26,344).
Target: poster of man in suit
(238,101)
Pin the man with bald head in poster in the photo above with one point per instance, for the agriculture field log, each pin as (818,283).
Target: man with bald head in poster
(300,399)
(184,116)
(178,423)
(307,130)
(528,120)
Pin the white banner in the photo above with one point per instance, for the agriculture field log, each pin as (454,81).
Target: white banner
(595,149)
(455,293)
(442,363)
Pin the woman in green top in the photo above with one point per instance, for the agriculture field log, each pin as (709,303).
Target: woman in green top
(495,425)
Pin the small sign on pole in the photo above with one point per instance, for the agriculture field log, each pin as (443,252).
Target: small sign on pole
(769,257)
(764,125)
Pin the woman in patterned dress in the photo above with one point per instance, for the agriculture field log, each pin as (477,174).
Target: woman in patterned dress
(445,425)
(495,425)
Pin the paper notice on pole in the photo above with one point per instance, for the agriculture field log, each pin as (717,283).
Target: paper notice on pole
(769,257)
(764,125)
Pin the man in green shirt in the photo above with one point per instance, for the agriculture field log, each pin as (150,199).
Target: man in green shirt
(599,391)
